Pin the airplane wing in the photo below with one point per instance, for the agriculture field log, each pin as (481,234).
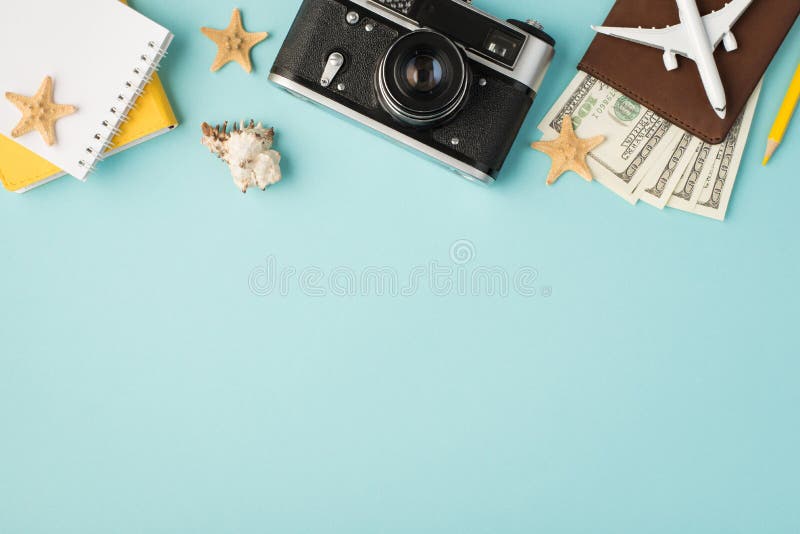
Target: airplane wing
(672,39)
(719,23)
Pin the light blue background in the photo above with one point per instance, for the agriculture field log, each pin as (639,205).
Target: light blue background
(145,388)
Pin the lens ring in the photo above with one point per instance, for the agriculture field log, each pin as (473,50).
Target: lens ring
(441,91)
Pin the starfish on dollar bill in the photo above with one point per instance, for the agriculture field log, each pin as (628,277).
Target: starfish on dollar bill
(234,43)
(568,152)
(39,112)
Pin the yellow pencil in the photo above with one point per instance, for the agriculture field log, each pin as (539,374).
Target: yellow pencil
(784,117)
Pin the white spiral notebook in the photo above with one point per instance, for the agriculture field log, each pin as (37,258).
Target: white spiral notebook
(100,55)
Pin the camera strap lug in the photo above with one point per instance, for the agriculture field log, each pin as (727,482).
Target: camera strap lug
(332,67)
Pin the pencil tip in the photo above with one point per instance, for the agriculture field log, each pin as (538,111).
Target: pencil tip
(772,146)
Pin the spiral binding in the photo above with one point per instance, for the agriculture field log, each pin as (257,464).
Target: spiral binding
(148,64)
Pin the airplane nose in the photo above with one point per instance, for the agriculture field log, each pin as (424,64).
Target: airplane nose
(722,112)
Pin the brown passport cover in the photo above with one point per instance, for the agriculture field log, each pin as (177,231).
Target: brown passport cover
(638,71)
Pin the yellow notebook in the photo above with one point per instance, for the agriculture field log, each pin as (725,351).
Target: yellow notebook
(21,170)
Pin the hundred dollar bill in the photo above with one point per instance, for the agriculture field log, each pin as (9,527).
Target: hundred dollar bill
(657,188)
(715,194)
(636,138)
(687,190)
(656,162)
(714,168)
(686,196)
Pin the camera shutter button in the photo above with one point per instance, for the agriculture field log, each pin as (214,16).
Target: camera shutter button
(332,67)
(535,23)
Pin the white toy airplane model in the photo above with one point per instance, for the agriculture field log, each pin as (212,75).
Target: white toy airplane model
(696,38)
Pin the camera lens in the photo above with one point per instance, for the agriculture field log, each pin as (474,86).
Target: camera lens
(423,73)
(423,79)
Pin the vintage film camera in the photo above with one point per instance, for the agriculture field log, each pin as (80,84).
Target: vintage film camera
(438,76)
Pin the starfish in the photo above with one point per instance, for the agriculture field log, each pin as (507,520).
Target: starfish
(234,43)
(39,112)
(568,152)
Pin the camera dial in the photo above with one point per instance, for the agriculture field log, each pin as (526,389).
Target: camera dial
(423,79)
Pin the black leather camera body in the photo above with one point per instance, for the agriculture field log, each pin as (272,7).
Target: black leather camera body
(438,76)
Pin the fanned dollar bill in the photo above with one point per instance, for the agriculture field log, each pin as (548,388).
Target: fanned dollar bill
(687,190)
(657,189)
(645,157)
(707,185)
(715,194)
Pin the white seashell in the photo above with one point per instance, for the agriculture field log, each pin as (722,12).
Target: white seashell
(247,149)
